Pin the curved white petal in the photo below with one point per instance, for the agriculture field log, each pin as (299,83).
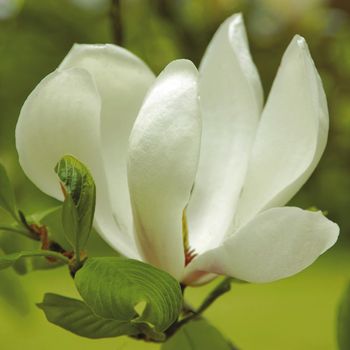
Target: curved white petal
(62,116)
(122,80)
(163,157)
(291,137)
(277,243)
(231,102)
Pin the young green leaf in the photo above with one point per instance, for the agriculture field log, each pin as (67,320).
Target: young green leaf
(71,227)
(130,291)
(10,259)
(343,325)
(80,198)
(7,195)
(75,316)
(197,334)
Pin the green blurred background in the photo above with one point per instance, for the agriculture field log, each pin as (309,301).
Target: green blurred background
(297,313)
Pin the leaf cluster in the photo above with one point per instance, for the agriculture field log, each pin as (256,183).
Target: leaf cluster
(119,296)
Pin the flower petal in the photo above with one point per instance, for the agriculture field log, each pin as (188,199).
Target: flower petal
(163,157)
(231,102)
(62,116)
(278,243)
(122,80)
(291,137)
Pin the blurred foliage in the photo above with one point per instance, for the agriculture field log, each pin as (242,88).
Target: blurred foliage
(35,35)
(11,290)
(343,334)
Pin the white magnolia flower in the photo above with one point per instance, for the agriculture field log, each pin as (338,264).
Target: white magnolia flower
(173,174)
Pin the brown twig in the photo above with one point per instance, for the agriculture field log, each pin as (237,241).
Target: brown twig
(190,43)
(116,22)
(39,232)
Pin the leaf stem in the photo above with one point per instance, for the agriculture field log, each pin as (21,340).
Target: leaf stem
(223,287)
(77,256)
(38,253)
(18,231)
(52,254)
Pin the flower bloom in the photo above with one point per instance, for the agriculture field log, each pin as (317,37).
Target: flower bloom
(191,170)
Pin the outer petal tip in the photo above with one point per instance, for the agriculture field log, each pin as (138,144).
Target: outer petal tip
(183,65)
(300,41)
(235,27)
(333,231)
(235,20)
(299,45)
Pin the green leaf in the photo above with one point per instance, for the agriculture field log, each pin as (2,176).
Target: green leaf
(7,195)
(80,198)
(76,317)
(130,291)
(343,327)
(197,334)
(10,259)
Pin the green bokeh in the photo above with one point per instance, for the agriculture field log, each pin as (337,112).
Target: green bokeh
(297,313)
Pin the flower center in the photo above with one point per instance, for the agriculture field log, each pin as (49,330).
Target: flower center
(189,256)
(190,253)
